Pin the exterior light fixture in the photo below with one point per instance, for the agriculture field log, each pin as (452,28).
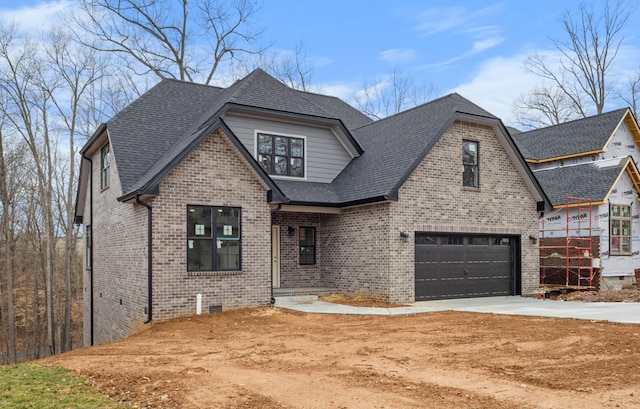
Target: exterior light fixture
(404,236)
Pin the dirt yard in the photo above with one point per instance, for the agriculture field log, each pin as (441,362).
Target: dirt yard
(274,358)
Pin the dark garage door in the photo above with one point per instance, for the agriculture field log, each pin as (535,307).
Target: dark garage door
(463,266)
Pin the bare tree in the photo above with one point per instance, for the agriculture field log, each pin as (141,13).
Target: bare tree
(8,313)
(27,111)
(393,94)
(73,71)
(545,107)
(293,70)
(586,58)
(631,96)
(188,40)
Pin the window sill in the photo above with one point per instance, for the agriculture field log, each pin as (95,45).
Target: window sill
(213,273)
(470,189)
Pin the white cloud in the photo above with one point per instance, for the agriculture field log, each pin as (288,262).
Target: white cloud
(342,90)
(477,47)
(38,16)
(498,83)
(438,20)
(481,45)
(397,55)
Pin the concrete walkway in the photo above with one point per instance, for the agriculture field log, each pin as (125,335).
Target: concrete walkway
(628,313)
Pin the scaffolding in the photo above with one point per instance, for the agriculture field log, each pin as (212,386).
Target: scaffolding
(569,261)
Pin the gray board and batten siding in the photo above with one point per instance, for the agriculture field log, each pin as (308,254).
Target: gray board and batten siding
(325,156)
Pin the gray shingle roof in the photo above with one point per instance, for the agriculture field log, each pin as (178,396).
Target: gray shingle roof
(146,129)
(156,131)
(309,192)
(394,146)
(589,180)
(570,138)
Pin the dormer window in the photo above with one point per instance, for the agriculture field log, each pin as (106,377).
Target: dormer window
(281,155)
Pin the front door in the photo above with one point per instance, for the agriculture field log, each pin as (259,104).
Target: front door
(275,256)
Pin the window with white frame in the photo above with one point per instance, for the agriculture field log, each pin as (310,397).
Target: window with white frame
(620,230)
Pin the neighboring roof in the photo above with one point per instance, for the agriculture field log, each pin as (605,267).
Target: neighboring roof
(593,180)
(575,138)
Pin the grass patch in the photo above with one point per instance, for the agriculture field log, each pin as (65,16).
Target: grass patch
(30,386)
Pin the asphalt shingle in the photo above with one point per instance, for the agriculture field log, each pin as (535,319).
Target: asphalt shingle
(591,180)
(570,138)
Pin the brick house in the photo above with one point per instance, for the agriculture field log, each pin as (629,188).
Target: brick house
(244,193)
(593,161)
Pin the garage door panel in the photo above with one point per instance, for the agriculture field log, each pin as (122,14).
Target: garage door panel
(457,267)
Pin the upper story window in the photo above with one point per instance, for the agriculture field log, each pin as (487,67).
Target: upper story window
(470,164)
(620,232)
(281,155)
(104,166)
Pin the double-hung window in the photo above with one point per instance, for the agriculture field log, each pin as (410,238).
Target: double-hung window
(307,245)
(620,230)
(470,164)
(104,166)
(213,238)
(281,155)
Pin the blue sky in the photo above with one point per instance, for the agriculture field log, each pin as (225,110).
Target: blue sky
(475,48)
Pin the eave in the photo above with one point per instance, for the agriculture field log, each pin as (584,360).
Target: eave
(571,156)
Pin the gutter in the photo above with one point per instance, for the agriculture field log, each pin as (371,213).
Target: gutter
(149,258)
(91,306)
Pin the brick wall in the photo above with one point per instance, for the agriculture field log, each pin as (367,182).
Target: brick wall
(292,274)
(360,250)
(119,261)
(433,199)
(355,245)
(214,174)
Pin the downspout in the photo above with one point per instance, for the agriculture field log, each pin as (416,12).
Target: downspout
(91,307)
(274,211)
(149,257)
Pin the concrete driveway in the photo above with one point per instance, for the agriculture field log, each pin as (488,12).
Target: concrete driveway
(628,313)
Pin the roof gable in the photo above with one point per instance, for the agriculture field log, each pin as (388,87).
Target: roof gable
(146,129)
(395,146)
(585,136)
(593,180)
